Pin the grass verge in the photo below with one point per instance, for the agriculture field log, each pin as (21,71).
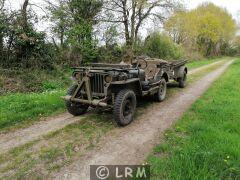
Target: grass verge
(20,109)
(196,64)
(204,144)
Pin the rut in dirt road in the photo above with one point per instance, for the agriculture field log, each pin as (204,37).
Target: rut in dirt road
(22,136)
(132,144)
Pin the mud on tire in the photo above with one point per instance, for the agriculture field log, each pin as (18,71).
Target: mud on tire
(124,107)
(74,108)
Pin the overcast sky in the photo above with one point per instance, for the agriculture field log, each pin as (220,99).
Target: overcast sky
(233,6)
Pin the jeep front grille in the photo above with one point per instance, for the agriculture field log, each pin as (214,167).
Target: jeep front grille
(97,83)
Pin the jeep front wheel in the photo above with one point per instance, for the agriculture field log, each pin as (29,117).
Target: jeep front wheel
(75,108)
(124,107)
(162,91)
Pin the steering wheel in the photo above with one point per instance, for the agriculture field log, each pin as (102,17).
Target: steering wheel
(140,62)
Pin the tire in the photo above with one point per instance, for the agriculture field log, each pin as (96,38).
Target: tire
(74,108)
(183,80)
(160,96)
(124,107)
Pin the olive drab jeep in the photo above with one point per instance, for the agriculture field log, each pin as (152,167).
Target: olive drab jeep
(116,86)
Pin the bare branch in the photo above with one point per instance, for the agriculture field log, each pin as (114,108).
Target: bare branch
(2,3)
(39,7)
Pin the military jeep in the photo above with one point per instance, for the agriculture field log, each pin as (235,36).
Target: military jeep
(116,86)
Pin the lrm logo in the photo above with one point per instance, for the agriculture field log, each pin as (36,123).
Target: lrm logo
(103,172)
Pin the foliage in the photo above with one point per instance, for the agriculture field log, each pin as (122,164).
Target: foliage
(13,80)
(235,46)
(21,45)
(205,142)
(206,29)
(161,46)
(110,35)
(110,54)
(73,24)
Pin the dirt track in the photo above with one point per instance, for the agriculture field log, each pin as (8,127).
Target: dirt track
(22,136)
(130,145)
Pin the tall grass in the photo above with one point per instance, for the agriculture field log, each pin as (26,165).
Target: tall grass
(205,143)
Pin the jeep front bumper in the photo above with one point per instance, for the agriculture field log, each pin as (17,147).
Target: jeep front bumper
(89,102)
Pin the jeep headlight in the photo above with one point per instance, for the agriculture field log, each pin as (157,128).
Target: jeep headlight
(108,78)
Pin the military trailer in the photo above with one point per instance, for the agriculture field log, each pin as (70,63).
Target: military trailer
(116,86)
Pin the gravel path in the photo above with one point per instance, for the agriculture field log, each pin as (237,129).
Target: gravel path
(131,144)
(22,136)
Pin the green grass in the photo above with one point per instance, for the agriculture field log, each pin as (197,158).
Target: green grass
(196,64)
(19,108)
(205,143)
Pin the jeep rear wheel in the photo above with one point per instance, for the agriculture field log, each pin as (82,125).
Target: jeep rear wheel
(183,81)
(124,107)
(162,91)
(75,108)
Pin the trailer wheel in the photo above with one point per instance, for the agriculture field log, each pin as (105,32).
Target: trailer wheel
(74,108)
(124,107)
(162,91)
(183,80)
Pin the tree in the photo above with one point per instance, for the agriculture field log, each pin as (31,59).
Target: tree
(161,46)
(2,26)
(61,21)
(21,45)
(133,13)
(73,23)
(110,36)
(208,28)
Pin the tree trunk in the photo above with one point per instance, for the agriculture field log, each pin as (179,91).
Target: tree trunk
(24,15)
(1,49)
(129,43)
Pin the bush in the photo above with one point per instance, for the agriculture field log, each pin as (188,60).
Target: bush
(110,54)
(161,46)
(22,80)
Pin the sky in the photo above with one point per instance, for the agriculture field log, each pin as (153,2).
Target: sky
(233,6)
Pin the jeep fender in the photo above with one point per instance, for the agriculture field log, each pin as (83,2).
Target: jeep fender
(133,84)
